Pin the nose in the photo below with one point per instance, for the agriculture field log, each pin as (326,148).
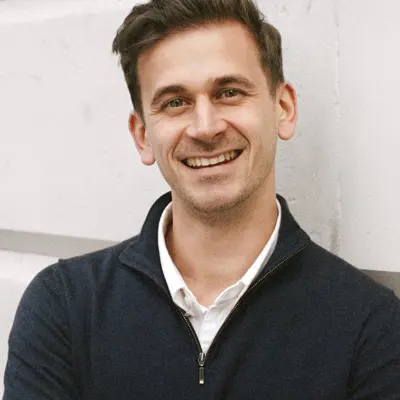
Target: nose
(206,124)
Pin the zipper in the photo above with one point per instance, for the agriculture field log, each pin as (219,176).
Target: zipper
(203,356)
(202,359)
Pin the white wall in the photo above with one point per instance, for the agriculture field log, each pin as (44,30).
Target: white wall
(370,132)
(67,163)
(69,167)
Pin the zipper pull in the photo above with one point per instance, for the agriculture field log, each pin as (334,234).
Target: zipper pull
(202,358)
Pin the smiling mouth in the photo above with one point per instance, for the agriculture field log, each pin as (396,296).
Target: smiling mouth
(225,158)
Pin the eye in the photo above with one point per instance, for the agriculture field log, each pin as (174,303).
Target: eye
(175,103)
(230,93)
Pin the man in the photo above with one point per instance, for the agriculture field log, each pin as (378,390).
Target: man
(222,295)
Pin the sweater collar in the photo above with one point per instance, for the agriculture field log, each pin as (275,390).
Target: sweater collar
(142,252)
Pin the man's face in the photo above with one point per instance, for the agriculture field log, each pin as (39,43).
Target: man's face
(210,121)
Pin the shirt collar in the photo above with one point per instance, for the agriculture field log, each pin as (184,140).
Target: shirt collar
(174,278)
(172,275)
(265,254)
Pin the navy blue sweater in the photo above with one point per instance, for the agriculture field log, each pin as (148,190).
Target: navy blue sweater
(103,326)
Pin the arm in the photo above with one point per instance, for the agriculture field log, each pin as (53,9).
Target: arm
(376,371)
(40,363)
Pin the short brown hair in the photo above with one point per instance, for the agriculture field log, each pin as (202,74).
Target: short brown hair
(147,24)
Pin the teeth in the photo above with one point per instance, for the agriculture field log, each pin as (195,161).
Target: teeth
(205,162)
(213,161)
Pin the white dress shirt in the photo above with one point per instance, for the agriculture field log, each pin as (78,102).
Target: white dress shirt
(207,321)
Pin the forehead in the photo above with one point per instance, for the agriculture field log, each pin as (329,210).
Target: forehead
(192,57)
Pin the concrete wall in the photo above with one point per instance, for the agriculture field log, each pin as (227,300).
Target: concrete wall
(370,133)
(70,179)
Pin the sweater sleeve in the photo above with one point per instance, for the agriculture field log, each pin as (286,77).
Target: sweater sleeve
(376,370)
(39,362)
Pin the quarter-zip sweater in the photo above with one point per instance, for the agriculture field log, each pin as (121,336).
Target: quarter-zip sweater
(103,326)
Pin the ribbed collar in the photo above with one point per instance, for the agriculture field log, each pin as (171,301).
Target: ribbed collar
(142,253)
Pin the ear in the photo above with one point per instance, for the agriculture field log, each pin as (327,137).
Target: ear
(139,134)
(287,111)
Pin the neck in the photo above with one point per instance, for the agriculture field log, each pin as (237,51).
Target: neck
(212,256)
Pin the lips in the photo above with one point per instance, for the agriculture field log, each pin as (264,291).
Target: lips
(201,162)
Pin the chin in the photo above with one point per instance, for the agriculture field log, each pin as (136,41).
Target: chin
(215,201)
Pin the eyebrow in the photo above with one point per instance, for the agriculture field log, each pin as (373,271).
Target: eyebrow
(236,80)
(219,81)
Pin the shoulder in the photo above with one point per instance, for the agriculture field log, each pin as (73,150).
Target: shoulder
(93,265)
(76,278)
(330,277)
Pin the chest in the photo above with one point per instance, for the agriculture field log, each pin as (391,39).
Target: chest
(151,351)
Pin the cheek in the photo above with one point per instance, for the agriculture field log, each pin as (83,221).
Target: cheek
(251,117)
(164,143)
(262,136)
